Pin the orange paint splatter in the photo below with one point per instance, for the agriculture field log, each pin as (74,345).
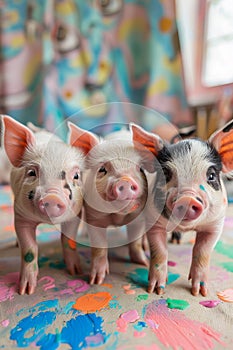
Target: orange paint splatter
(127,287)
(108,285)
(92,302)
(226,295)
(72,244)
(165,24)
(130,292)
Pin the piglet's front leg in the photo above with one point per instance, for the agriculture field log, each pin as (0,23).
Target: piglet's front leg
(199,269)
(69,245)
(158,260)
(26,233)
(99,255)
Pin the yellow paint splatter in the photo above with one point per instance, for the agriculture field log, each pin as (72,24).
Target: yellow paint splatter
(165,24)
(158,87)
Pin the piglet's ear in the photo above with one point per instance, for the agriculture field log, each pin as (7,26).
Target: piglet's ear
(147,140)
(16,138)
(222,140)
(82,139)
(148,144)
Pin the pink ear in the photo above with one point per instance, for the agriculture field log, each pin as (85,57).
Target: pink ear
(222,140)
(147,144)
(143,139)
(17,138)
(81,138)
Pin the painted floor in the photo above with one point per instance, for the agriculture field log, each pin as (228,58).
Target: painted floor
(66,312)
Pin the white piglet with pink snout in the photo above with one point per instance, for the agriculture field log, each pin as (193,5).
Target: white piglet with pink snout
(115,194)
(47,187)
(188,193)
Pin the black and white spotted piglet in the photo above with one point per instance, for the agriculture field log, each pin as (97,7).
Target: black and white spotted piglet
(46,182)
(188,194)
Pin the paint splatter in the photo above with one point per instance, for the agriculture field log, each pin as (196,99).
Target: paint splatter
(142,297)
(8,286)
(224,249)
(210,303)
(171,263)
(175,330)
(92,302)
(5,323)
(126,318)
(29,329)
(177,304)
(89,333)
(113,304)
(78,285)
(140,277)
(128,290)
(108,285)
(226,295)
(50,282)
(227,266)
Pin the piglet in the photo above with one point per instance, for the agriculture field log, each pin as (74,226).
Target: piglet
(46,182)
(115,194)
(188,194)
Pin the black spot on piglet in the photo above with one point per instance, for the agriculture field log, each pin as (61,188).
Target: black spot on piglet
(228,127)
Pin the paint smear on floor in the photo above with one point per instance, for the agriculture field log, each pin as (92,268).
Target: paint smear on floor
(92,302)
(175,330)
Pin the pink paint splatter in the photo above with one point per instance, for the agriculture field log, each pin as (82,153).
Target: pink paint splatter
(78,285)
(8,286)
(50,282)
(138,334)
(126,318)
(128,290)
(171,263)
(5,323)
(210,303)
(175,330)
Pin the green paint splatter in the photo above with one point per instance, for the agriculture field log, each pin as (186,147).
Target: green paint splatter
(29,257)
(224,249)
(141,297)
(177,304)
(227,266)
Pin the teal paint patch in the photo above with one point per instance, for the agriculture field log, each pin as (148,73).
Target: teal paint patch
(140,277)
(202,188)
(114,304)
(227,266)
(224,249)
(59,265)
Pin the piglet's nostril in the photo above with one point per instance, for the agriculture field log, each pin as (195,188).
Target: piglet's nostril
(121,188)
(133,188)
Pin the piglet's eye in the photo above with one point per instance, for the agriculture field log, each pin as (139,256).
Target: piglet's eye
(76,176)
(103,170)
(31,172)
(212,177)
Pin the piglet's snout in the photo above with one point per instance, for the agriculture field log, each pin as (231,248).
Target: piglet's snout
(52,205)
(187,208)
(126,188)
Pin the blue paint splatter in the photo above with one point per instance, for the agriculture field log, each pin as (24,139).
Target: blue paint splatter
(140,326)
(75,333)
(32,325)
(80,331)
